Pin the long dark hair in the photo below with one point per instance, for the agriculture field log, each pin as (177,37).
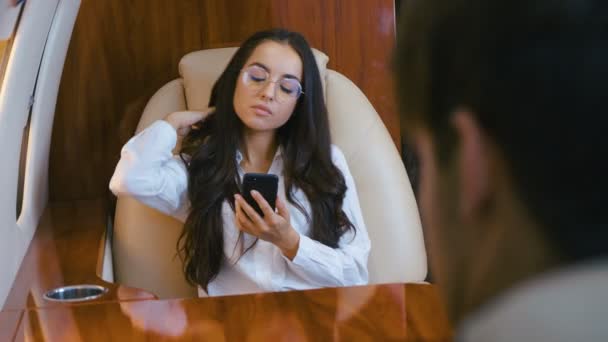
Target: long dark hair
(212,166)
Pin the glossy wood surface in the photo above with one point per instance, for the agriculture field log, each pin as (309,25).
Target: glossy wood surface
(9,322)
(379,313)
(121,52)
(65,251)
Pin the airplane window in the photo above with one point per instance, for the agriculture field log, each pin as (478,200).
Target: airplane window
(10,12)
(3,48)
(4,53)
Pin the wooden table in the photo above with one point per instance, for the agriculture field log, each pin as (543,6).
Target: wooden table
(404,312)
(9,321)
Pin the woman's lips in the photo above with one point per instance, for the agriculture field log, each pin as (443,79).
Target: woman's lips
(262,110)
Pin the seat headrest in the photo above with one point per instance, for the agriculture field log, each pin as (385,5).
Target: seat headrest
(200,70)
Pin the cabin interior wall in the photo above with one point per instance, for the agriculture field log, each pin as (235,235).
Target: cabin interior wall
(123,51)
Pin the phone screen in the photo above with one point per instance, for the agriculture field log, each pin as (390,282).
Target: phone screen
(265,184)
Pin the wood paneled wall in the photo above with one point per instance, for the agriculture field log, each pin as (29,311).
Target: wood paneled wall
(123,51)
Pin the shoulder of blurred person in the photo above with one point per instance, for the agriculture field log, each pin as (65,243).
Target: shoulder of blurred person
(569,304)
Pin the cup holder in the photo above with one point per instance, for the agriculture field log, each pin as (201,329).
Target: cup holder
(75,293)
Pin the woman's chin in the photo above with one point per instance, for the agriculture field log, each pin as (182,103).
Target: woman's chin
(259,124)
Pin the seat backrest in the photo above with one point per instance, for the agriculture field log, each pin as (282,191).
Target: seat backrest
(144,241)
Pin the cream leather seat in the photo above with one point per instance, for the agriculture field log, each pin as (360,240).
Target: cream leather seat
(144,240)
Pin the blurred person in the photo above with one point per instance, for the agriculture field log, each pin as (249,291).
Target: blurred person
(505,103)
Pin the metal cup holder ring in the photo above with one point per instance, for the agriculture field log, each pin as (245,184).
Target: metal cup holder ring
(75,293)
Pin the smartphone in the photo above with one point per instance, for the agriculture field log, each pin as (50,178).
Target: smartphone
(264,183)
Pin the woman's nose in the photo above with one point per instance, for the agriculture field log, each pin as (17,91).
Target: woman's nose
(268,90)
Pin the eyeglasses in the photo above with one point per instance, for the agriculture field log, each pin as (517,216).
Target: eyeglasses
(256,78)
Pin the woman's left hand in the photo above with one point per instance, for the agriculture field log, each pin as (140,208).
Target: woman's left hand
(273,227)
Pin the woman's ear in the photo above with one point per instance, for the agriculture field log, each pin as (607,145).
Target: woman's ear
(473,164)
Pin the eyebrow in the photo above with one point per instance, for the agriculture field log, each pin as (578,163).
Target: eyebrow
(268,70)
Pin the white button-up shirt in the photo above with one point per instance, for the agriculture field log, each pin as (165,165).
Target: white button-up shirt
(149,172)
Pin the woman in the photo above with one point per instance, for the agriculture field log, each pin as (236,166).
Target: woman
(269,116)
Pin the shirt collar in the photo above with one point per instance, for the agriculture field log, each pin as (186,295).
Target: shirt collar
(239,156)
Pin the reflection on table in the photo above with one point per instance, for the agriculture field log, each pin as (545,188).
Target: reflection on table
(409,312)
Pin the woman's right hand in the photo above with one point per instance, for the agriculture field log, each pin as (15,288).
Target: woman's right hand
(184,120)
